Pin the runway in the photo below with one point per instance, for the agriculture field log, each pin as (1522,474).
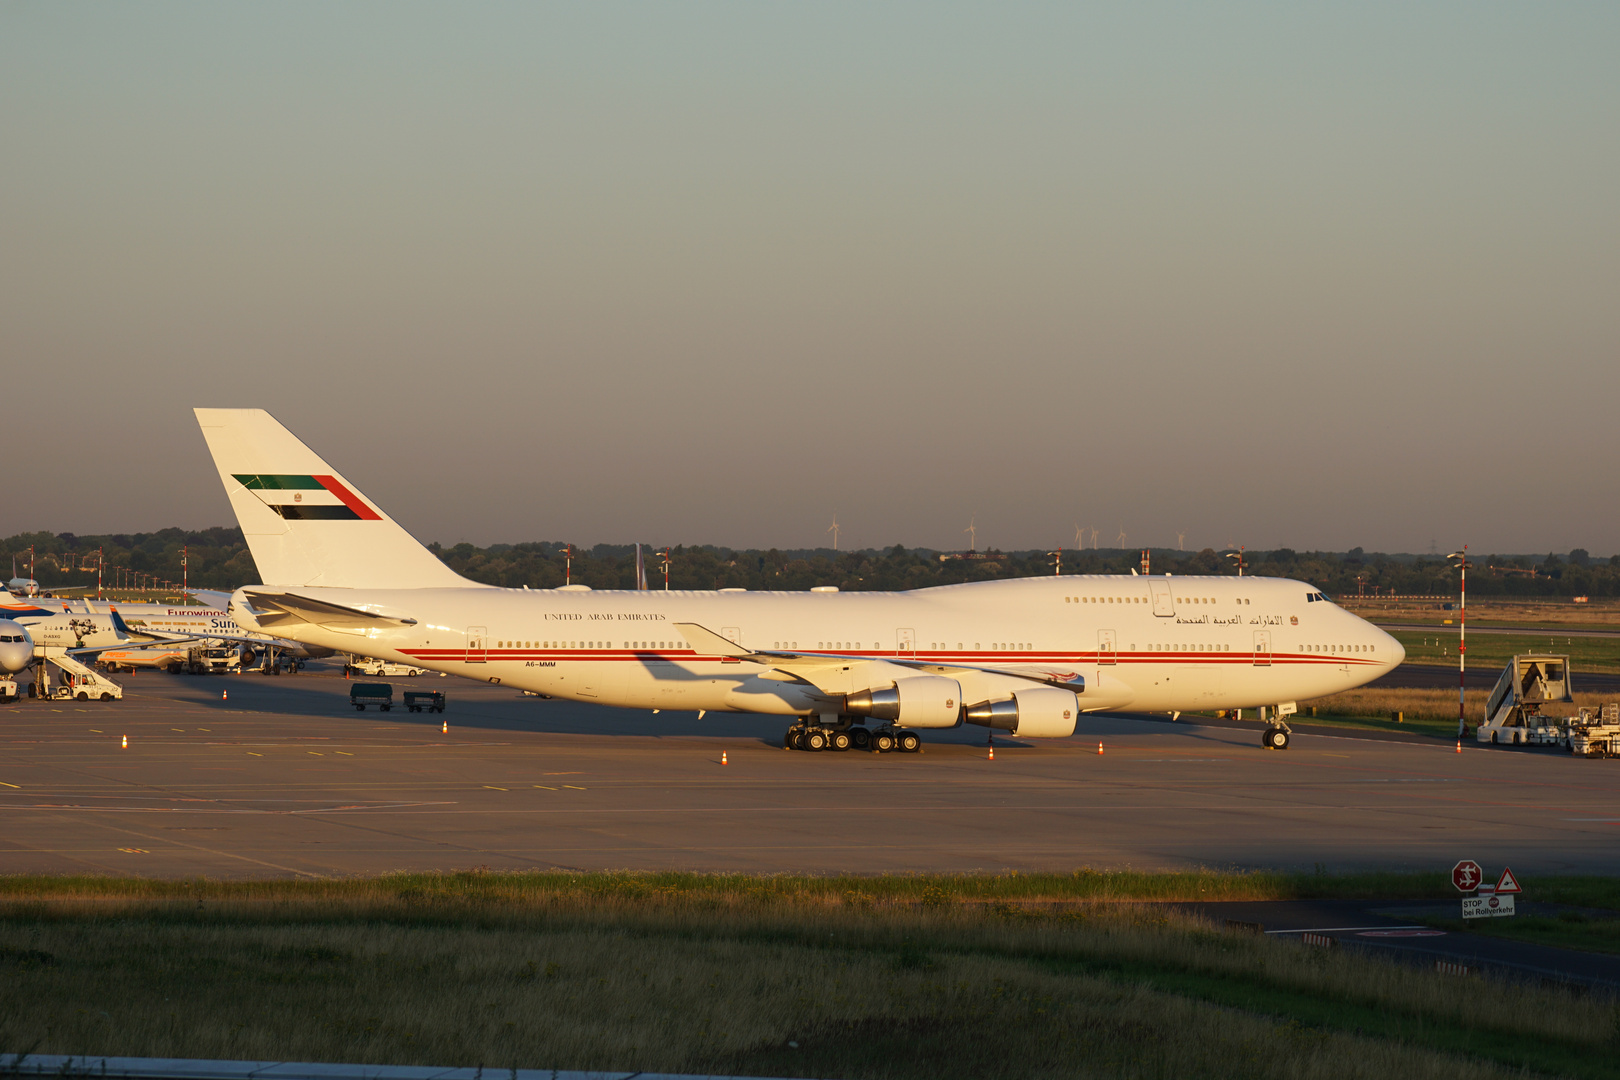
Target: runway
(284,779)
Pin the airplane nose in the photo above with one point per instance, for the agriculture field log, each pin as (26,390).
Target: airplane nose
(14,656)
(1395,651)
(16,650)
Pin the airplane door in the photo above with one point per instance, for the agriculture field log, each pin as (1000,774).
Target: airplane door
(1164,605)
(477,644)
(1262,648)
(1105,647)
(905,640)
(732,634)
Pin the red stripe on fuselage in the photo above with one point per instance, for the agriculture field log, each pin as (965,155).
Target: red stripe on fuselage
(1242,659)
(350,499)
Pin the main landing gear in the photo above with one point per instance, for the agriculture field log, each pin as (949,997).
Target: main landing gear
(817,737)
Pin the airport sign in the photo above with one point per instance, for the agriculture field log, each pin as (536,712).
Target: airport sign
(1487,905)
(1467,875)
(1507,883)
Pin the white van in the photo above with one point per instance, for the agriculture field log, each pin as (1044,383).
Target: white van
(374,668)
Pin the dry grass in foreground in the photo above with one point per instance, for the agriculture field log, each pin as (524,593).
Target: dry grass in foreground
(663,973)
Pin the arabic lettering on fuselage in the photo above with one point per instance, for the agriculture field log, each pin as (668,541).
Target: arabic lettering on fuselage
(1236,620)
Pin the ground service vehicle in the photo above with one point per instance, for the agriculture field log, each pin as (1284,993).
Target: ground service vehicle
(1596,733)
(367,665)
(418,700)
(380,694)
(1530,702)
(84,686)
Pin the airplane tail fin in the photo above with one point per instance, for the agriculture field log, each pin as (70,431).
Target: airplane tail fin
(304,523)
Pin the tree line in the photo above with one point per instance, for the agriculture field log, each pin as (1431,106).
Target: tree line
(219,559)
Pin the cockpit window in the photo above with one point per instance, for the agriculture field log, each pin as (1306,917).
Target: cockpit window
(1311,598)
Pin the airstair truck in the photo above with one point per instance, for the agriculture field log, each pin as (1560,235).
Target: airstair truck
(1531,704)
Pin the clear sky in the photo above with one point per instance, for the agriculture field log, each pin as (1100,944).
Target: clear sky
(1314,275)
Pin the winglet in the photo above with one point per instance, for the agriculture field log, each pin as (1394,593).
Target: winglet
(708,642)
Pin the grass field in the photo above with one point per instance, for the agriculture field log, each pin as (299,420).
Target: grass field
(1009,976)
(1600,612)
(1491,652)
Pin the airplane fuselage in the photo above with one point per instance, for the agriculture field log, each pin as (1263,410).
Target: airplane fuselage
(1141,643)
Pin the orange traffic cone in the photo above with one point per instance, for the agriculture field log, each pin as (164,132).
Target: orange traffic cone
(224,695)
(125,744)
(1099,749)
(722,757)
(1459,746)
(445,727)
(992,753)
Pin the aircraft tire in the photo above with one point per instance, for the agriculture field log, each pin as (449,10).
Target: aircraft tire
(909,743)
(788,740)
(841,740)
(815,740)
(882,742)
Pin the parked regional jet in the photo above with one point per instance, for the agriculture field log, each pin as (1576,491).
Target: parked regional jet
(1026,656)
(21,586)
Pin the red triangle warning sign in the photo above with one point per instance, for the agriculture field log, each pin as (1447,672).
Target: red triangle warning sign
(1507,883)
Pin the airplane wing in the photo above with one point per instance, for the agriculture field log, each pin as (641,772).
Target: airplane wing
(272,609)
(805,664)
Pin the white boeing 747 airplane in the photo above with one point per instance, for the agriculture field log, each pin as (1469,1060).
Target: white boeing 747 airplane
(865,669)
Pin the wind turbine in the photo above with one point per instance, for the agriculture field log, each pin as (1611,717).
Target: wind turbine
(1181,540)
(973,534)
(1079,538)
(1121,544)
(1093,539)
(833,528)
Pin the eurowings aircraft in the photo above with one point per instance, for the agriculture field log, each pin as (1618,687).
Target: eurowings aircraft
(177,626)
(1025,656)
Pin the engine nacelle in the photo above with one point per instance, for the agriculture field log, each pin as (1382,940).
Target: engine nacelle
(1041,712)
(921,701)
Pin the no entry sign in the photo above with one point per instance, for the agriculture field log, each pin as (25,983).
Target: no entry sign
(1467,875)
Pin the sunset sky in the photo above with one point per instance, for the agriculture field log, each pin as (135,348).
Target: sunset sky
(1320,276)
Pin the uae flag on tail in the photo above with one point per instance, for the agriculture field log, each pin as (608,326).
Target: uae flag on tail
(308,498)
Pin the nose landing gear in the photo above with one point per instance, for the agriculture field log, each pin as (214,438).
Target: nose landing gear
(1277,730)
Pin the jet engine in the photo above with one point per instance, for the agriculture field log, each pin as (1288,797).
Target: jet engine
(921,701)
(16,647)
(1041,712)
